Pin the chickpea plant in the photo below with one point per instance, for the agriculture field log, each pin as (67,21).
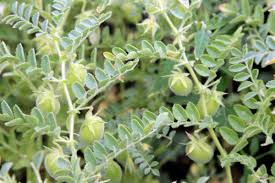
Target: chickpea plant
(90,87)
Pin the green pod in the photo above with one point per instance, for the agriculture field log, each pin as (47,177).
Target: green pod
(180,84)
(212,102)
(76,73)
(91,130)
(198,150)
(47,102)
(50,162)
(113,172)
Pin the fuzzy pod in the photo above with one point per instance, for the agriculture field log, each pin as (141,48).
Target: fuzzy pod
(76,73)
(180,84)
(92,129)
(47,102)
(113,172)
(198,150)
(212,102)
(50,162)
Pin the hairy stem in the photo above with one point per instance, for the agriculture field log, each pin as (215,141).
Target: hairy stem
(38,177)
(114,155)
(67,94)
(199,85)
(69,101)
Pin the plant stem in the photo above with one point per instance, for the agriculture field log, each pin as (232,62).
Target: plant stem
(67,94)
(191,71)
(114,155)
(175,30)
(69,101)
(38,177)
(200,87)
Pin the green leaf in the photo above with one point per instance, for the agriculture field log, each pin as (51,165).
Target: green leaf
(35,19)
(208,61)
(155,172)
(202,70)
(255,73)
(270,42)
(244,85)
(163,109)
(102,5)
(241,76)
(237,123)
(249,95)
(38,114)
(251,103)
(44,25)
(105,16)
(248,161)
(15,122)
(135,117)
(236,52)
(99,150)
(51,120)
(270,84)
(237,67)
(20,53)
(131,48)
(91,82)
(259,14)
(37,159)
(18,112)
(271,22)
(192,112)
(110,141)
(6,109)
(147,46)
(254,146)
(45,64)
(213,51)
(179,112)
(89,157)
(160,48)
(162,119)
(14,7)
(109,68)
(20,9)
(78,90)
(148,117)
(93,57)
(250,131)
(117,50)
(245,7)
(123,132)
(5,168)
(243,112)
(137,127)
(5,117)
(259,45)
(262,172)
(100,74)
(32,58)
(201,41)
(109,56)
(229,135)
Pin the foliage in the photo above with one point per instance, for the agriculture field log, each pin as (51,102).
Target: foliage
(130,77)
